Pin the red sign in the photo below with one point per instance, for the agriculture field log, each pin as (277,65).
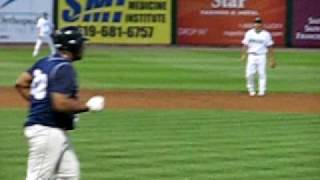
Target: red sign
(224,22)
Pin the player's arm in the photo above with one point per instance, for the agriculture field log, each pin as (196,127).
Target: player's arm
(63,82)
(244,53)
(23,84)
(270,56)
(244,50)
(63,103)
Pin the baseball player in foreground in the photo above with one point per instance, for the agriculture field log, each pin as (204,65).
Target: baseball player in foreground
(50,86)
(257,49)
(44,30)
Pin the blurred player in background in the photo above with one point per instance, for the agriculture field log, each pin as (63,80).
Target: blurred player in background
(257,50)
(44,31)
(50,86)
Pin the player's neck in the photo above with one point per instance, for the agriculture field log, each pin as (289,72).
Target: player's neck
(67,55)
(258,30)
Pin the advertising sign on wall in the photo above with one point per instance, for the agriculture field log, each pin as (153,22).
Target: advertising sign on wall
(119,21)
(224,22)
(306,23)
(18,19)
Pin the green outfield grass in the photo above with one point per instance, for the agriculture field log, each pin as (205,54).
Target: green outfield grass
(180,145)
(175,69)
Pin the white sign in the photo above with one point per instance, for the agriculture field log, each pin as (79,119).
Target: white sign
(18,19)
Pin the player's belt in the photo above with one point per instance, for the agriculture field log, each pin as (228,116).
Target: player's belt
(256,54)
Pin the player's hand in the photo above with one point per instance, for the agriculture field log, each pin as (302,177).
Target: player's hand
(243,58)
(76,117)
(96,103)
(272,63)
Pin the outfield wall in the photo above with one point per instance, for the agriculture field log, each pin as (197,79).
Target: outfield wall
(18,19)
(293,23)
(119,21)
(305,23)
(218,22)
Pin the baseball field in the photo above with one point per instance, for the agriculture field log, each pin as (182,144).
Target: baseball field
(179,114)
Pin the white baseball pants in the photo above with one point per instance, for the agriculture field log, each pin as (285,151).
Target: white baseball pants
(39,42)
(51,156)
(256,64)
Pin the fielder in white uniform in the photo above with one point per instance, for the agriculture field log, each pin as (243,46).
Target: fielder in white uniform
(257,49)
(44,29)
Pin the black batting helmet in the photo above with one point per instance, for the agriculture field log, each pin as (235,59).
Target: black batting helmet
(70,39)
(258,20)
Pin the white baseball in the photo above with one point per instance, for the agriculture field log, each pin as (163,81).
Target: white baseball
(96,103)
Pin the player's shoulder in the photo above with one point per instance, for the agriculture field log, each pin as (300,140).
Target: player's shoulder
(62,68)
(265,31)
(53,60)
(41,61)
(250,31)
(59,59)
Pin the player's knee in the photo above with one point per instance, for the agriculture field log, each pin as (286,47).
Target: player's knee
(75,172)
(262,76)
(249,75)
(70,173)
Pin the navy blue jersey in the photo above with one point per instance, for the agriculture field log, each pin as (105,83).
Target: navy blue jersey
(49,75)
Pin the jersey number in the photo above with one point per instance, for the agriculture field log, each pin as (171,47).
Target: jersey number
(39,85)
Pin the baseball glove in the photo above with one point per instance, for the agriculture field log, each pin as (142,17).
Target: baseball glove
(273,64)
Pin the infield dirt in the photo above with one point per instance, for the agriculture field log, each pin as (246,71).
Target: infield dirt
(148,99)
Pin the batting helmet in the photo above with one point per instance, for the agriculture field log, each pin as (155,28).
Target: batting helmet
(70,39)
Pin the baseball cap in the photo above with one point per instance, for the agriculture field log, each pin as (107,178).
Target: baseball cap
(258,20)
(44,14)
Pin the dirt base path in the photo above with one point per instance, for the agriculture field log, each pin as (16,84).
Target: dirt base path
(299,103)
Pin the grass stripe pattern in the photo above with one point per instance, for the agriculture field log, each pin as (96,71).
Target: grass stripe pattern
(180,145)
(174,69)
